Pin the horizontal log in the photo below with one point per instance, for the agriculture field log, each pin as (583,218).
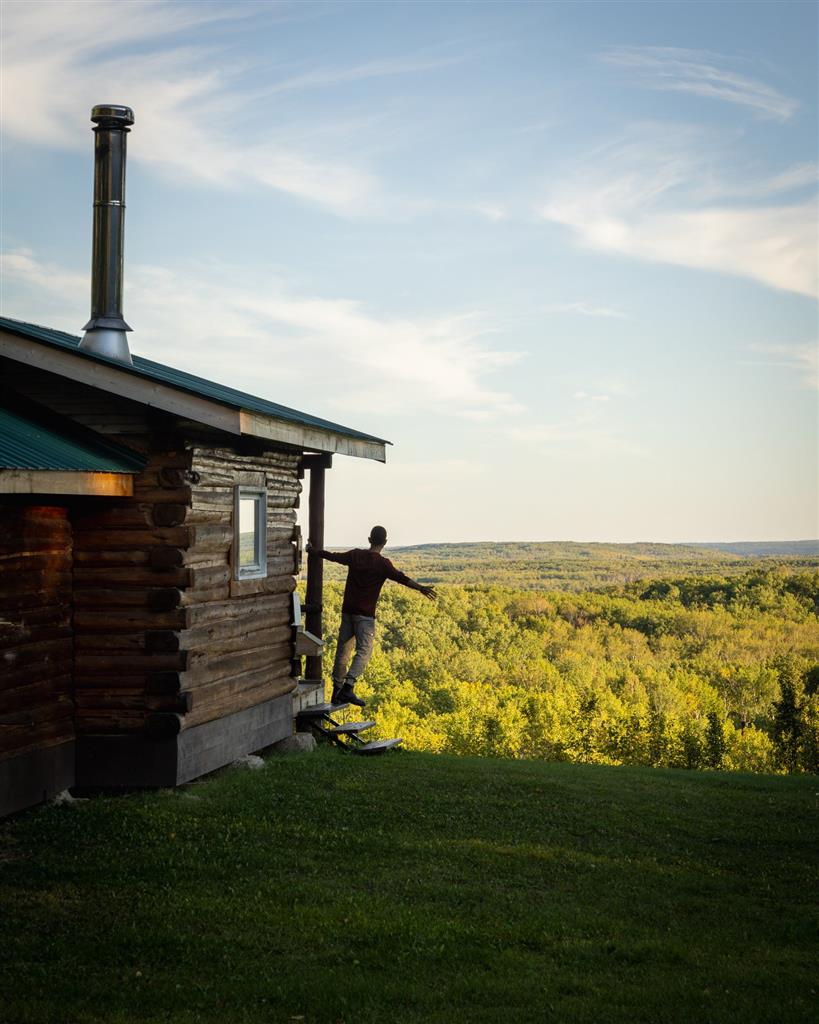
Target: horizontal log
(246,696)
(197,558)
(134,700)
(22,739)
(238,628)
(121,558)
(21,604)
(42,691)
(133,576)
(44,736)
(134,515)
(162,495)
(209,517)
(33,582)
(270,585)
(225,665)
(97,597)
(28,718)
(28,545)
(40,653)
(28,626)
(126,644)
(172,459)
(109,664)
(190,598)
(37,670)
(94,721)
(127,620)
(211,538)
(133,539)
(202,458)
(18,570)
(207,576)
(150,682)
(272,604)
(267,636)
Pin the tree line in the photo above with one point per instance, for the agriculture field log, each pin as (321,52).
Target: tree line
(696,672)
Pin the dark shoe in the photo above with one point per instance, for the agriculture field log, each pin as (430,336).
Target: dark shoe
(346,695)
(337,688)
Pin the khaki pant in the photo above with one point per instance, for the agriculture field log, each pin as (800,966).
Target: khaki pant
(358,630)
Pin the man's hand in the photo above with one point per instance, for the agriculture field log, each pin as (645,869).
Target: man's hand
(428,592)
(308,547)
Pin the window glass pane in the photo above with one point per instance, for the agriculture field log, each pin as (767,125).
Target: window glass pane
(248,546)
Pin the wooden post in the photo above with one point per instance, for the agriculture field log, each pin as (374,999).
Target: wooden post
(317,464)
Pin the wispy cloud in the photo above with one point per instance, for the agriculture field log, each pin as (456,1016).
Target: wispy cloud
(803,359)
(191,101)
(273,341)
(701,73)
(643,196)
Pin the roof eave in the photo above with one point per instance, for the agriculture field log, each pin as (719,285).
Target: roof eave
(237,421)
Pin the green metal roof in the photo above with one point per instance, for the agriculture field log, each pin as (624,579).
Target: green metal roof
(27,444)
(150,370)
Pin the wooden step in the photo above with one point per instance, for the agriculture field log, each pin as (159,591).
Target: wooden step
(376,747)
(353,727)
(321,710)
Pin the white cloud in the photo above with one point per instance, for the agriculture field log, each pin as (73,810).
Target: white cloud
(804,359)
(192,104)
(701,73)
(270,341)
(643,196)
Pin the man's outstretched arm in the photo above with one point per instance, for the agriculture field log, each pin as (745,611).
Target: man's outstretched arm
(405,581)
(342,557)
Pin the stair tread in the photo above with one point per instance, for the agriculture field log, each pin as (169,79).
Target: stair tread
(351,727)
(321,710)
(376,746)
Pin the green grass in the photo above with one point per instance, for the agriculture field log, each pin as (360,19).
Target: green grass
(417,888)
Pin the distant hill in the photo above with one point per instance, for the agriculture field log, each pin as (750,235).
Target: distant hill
(565,565)
(760,549)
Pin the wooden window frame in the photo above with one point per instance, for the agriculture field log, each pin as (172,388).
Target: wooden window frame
(258,570)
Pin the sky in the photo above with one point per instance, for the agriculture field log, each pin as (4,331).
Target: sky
(562,255)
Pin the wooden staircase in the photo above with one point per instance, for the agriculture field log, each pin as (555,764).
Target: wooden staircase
(321,720)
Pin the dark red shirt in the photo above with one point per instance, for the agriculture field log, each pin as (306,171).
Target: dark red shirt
(366,573)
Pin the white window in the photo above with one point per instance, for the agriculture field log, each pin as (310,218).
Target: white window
(250,533)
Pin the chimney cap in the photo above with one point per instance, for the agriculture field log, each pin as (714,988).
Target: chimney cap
(112,115)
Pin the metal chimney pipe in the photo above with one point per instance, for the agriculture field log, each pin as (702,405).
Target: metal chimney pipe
(105,331)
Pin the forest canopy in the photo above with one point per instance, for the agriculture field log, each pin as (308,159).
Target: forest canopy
(698,670)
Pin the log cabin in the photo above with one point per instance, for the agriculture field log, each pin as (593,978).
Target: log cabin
(149,548)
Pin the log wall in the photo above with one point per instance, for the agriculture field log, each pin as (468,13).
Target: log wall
(36,650)
(163,637)
(238,639)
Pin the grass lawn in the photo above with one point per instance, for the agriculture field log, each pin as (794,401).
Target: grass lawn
(418,888)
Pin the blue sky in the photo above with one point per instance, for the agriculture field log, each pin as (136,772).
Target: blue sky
(562,255)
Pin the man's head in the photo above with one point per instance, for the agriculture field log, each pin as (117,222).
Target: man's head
(378,537)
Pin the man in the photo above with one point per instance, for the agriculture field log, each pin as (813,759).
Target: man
(366,572)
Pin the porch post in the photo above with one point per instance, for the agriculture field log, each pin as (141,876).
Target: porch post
(317,464)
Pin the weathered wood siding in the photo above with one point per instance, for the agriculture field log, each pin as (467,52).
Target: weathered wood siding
(36,649)
(238,638)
